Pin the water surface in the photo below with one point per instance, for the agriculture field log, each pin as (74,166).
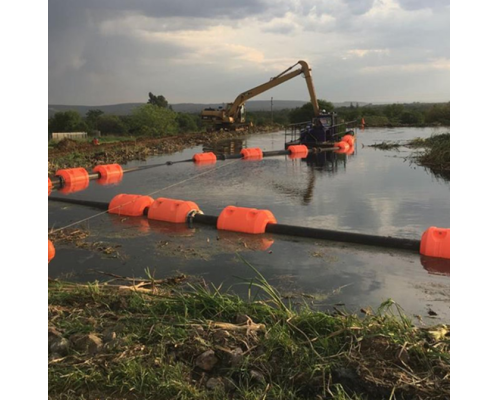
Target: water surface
(372,191)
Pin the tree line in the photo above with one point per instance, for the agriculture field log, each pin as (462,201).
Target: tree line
(156,118)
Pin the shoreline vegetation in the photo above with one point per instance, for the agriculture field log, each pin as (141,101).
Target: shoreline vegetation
(432,153)
(167,338)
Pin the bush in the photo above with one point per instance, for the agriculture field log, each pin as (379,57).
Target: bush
(150,120)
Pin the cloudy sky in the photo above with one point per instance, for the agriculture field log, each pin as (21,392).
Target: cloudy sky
(116,51)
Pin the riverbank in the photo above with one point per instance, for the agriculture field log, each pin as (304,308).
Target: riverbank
(150,339)
(76,153)
(432,153)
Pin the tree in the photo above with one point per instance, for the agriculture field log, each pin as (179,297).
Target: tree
(393,111)
(158,101)
(110,125)
(150,120)
(92,116)
(187,122)
(67,121)
(306,112)
(438,114)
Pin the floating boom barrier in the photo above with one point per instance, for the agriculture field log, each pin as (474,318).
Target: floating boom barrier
(72,180)
(435,242)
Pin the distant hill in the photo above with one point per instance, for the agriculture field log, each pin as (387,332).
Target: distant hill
(126,108)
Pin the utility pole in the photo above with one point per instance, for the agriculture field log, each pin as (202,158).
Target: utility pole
(272,119)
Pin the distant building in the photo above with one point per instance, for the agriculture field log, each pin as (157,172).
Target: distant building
(69,135)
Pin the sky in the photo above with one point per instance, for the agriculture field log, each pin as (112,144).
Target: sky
(117,51)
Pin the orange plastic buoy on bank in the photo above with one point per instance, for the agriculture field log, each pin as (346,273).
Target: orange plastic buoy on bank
(298,151)
(50,186)
(131,205)
(171,210)
(435,242)
(52,250)
(109,173)
(205,158)
(252,154)
(245,220)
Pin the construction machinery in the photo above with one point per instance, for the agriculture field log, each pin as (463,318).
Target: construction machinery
(232,117)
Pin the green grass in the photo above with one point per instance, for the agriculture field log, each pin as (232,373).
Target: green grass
(287,353)
(435,154)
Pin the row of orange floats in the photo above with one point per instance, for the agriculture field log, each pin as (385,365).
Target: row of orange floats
(77,179)
(235,219)
(435,242)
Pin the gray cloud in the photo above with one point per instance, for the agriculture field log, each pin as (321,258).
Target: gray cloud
(112,51)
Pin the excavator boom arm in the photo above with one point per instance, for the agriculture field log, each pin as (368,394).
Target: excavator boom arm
(278,80)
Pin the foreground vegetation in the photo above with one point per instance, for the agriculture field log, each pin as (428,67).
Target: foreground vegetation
(152,339)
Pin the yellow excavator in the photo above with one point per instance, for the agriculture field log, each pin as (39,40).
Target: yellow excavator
(232,117)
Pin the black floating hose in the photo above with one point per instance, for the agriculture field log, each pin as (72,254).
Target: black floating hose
(290,230)
(349,237)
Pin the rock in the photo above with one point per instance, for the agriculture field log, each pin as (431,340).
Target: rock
(236,357)
(108,335)
(90,344)
(221,336)
(257,376)
(207,360)
(60,346)
(214,383)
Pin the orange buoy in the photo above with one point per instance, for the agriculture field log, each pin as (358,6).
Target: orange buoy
(348,139)
(108,170)
(50,186)
(252,154)
(131,205)
(342,145)
(109,173)
(52,251)
(298,151)
(170,210)
(435,242)
(72,176)
(205,158)
(74,187)
(245,220)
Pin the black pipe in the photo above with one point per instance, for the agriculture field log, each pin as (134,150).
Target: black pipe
(290,230)
(349,237)
(88,203)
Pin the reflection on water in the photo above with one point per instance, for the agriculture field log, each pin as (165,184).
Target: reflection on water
(370,192)
(229,146)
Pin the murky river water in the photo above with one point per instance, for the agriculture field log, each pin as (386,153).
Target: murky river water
(372,191)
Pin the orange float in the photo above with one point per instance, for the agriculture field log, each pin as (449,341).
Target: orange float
(435,242)
(171,210)
(74,180)
(349,139)
(298,151)
(50,186)
(109,173)
(205,158)
(245,220)
(252,154)
(131,205)
(52,250)
(342,145)
(74,187)
(71,176)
